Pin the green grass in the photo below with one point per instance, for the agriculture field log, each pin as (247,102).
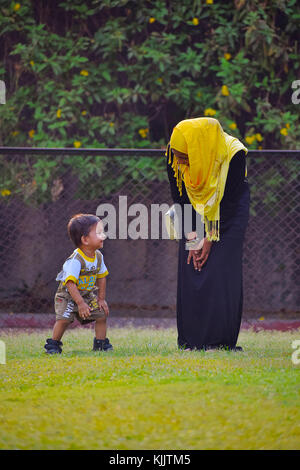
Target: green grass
(148,395)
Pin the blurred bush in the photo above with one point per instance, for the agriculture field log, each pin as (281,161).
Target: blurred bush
(117,73)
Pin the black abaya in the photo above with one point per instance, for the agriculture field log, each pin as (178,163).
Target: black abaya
(210,301)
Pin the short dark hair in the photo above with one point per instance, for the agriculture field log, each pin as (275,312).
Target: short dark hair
(80,225)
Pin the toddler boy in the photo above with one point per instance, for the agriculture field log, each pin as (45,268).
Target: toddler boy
(82,288)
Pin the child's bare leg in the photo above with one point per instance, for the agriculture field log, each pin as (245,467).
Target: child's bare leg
(59,329)
(100,328)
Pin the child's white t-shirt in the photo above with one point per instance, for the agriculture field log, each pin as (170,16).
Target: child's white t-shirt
(72,267)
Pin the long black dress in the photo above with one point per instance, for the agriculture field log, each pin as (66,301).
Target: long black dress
(210,301)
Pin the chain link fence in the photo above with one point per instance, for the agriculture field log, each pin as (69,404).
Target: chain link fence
(41,190)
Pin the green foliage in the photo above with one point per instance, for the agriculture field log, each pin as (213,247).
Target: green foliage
(120,74)
(41,179)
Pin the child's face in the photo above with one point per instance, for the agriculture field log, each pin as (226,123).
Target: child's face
(96,236)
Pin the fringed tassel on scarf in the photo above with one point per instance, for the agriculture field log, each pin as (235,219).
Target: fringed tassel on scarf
(212,230)
(176,168)
(211,226)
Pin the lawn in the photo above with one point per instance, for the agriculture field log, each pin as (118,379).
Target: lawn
(148,395)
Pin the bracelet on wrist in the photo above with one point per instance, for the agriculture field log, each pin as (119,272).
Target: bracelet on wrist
(191,244)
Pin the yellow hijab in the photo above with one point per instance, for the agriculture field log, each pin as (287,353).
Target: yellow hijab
(209,150)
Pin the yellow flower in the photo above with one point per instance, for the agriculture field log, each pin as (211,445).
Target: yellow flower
(233,125)
(111,124)
(227,56)
(250,139)
(258,137)
(225,90)
(209,2)
(284,131)
(17,6)
(84,112)
(58,113)
(287,126)
(77,144)
(84,73)
(195,21)
(143,132)
(32,63)
(261,318)
(5,192)
(209,112)
(31,133)
(259,147)
(151,20)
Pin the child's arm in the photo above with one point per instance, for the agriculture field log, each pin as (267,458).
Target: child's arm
(101,284)
(83,308)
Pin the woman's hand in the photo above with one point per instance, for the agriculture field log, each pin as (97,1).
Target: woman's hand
(200,255)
